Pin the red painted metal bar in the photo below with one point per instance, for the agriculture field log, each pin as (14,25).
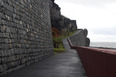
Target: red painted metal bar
(97,62)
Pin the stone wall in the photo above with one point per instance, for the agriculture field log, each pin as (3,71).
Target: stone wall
(25,33)
(80,38)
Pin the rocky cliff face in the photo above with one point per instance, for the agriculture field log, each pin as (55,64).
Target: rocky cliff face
(60,22)
(65,25)
(80,38)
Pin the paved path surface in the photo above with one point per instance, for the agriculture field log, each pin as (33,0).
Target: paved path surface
(65,64)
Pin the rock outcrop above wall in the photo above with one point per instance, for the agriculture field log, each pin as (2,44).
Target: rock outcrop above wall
(60,22)
(25,33)
(80,38)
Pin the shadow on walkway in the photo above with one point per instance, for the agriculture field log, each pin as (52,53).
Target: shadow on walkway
(66,64)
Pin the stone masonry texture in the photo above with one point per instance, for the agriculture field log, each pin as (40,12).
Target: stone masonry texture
(25,33)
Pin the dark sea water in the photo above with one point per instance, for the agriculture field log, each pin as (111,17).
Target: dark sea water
(103,44)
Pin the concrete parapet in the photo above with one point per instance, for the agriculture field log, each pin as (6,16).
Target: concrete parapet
(97,62)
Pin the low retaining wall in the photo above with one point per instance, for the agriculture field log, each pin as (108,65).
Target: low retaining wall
(97,62)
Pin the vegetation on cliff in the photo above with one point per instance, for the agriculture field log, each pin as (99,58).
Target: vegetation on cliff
(57,40)
(62,26)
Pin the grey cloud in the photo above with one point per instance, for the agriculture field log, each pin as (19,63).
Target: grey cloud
(105,31)
(91,2)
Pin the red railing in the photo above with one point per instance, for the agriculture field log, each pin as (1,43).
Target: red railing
(97,62)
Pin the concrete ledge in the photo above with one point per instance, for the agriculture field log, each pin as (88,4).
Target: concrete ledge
(97,62)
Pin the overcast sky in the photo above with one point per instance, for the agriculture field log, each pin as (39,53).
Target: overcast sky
(98,16)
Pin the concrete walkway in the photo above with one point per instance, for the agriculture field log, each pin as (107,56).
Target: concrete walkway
(65,64)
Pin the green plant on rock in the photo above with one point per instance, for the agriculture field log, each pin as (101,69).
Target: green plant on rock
(58,44)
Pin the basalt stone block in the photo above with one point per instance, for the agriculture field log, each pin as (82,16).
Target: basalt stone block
(85,32)
(2,9)
(87,42)
(1,68)
(3,21)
